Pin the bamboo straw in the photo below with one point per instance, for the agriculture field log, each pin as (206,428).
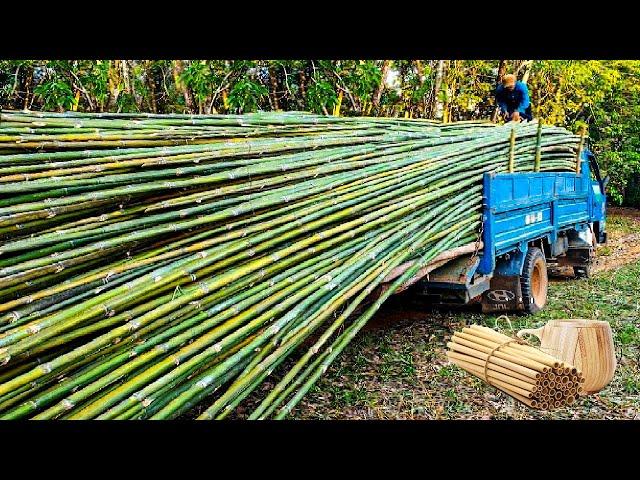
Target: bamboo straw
(492,366)
(489,334)
(530,387)
(524,362)
(526,350)
(495,360)
(521,391)
(507,349)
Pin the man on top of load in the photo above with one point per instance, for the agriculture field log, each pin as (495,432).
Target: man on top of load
(513,98)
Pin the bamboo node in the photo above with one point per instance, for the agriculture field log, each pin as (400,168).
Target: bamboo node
(34,328)
(203,286)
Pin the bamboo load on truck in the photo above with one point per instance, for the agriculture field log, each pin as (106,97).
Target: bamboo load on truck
(156,265)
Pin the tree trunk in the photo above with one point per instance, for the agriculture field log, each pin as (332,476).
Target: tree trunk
(273,90)
(114,80)
(303,88)
(378,93)
(421,78)
(502,70)
(151,83)
(525,70)
(126,78)
(28,86)
(437,107)
(178,68)
(451,89)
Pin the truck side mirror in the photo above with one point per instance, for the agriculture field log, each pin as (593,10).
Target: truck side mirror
(605,182)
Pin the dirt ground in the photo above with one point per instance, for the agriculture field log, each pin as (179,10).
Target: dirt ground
(396,367)
(623,244)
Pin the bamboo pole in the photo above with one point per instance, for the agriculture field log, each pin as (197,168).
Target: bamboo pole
(583,132)
(538,147)
(512,150)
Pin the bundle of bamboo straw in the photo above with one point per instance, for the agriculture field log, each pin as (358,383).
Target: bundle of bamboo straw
(520,370)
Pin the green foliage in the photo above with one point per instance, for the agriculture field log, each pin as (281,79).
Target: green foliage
(621,167)
(246,95)
(197,76)
(363,79)
(321,94)
(96,80)
(629,335)
(56,94)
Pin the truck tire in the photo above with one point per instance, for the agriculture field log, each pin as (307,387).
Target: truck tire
(583,271)
(534,281)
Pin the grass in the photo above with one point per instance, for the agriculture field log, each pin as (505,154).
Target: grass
(400,371)
(623,225)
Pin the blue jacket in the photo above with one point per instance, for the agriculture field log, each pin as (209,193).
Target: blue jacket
(517,99)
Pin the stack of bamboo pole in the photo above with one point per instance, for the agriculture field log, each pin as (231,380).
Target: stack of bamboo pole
(152,264)
(520,370)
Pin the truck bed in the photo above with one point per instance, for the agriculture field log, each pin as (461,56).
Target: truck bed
(437,262)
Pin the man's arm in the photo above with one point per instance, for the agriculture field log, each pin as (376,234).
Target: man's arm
(524,102)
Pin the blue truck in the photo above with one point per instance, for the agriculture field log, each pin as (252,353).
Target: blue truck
(533,223)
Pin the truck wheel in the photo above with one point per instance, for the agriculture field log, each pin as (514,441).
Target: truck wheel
(534,281)
(583,271)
